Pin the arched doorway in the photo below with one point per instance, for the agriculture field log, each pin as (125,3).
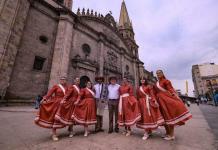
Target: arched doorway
(83,81)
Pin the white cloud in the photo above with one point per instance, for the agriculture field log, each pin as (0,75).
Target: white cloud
(172,34)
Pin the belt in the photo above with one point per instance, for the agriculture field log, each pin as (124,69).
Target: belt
(114,99)
(121,102)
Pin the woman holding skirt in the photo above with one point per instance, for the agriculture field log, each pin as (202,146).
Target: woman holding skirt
(67,106)
(85,109)
(151,117)
(128,107)
(49,106)
(172,108)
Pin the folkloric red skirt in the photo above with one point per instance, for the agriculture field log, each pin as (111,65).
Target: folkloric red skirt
(65,112)
(173,109)
(149,121)
(130,111)
(85,112)
(46,115)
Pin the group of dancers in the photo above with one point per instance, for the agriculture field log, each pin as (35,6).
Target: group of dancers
(154,105)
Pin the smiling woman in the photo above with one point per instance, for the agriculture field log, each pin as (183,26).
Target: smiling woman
(171,106)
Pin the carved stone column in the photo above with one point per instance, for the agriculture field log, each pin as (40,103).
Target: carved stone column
(101,56)
(122,61)
(61,56)
(135,69)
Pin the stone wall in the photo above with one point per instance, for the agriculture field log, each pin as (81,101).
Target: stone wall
(37,29)
(106,41)
(26,82)
(12,21)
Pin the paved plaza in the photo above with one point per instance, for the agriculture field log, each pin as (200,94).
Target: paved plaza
(18,132)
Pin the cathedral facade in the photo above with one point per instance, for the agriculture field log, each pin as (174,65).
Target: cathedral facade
(42,40)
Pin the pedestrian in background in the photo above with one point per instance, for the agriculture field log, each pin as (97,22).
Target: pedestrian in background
(37,101)
(216,98)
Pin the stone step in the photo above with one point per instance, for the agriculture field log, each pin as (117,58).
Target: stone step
(17,102)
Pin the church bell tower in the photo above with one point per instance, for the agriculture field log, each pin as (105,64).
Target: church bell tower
(125,25)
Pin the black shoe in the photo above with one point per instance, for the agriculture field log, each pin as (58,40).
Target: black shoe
(110,131)
(116,130)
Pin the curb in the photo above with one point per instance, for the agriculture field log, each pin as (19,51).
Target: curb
(25,111)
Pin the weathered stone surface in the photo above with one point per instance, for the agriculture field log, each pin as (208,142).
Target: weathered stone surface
(13,16)
(22,24)
(26,82)
(61,57)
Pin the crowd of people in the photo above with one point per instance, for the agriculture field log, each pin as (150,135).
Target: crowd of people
(152,106)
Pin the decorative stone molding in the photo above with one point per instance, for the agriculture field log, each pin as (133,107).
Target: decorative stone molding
(78,62)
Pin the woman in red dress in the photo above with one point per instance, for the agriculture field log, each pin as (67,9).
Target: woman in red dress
(172,108)
(67,106)
(151,117)
(49,106)
(85,109)
(128,107)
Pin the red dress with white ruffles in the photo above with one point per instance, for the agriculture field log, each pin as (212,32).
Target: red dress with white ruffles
(46,115)
(151,117)
(66,109)
(172,107)
(85,110)
(129,112)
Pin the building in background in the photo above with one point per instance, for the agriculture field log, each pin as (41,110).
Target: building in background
(41,40)
(205,79)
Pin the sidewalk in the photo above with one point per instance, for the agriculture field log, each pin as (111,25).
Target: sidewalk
(19,132)
(18,109)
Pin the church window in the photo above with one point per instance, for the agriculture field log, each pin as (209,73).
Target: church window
(86,49)
(43,39)
(38,63)
(61,1)
(127,68)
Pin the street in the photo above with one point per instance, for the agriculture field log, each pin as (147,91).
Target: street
(211,115)
(19,132)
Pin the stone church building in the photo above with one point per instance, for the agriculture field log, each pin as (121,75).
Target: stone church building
(41,40)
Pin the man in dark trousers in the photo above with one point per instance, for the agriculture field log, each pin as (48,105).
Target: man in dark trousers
(101,98)
(37,101)
(113,101)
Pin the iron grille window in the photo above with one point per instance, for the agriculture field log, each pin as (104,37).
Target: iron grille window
(38,63)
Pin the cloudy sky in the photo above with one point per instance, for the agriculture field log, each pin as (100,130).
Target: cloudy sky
(172,34)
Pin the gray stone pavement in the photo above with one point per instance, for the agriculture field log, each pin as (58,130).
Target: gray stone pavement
(211,114)
(18,132)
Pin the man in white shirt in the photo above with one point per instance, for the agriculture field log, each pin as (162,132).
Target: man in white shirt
(113,101)
(101,98)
